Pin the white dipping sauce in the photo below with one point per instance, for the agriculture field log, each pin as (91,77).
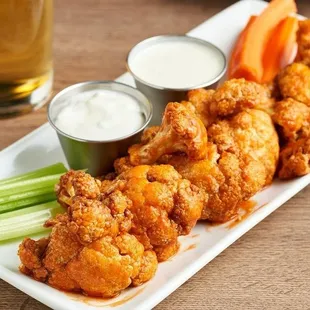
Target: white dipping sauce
(177,63)
(100,115)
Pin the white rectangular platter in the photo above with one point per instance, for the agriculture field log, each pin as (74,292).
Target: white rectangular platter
(41,148)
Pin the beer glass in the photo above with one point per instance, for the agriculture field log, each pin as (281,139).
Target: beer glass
(26,72)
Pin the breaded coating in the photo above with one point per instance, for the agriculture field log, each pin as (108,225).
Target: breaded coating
(249,133)
(110,265)
(31,252)
(90,219)
(148,268)
(76,183)
(241,159)
(248,151)
(294,159)
(103,268)
(232,97)
(294,82)
(89,249)
(149,134)
(62,247)
(59,249)
(303,41)
(201,100)
(180,131)
(236,95)
(164,205)
(292,118)
(123,164)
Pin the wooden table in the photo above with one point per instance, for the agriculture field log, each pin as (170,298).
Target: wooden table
(269,267)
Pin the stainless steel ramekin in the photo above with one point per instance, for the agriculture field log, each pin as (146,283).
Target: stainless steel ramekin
(160,96)
(96,156)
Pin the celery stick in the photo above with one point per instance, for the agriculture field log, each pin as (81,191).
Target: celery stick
(24,202)
(29,211)
(27,221)
(28,185)
(49,170)
(23,195)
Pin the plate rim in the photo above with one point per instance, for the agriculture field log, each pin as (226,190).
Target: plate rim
(166,289)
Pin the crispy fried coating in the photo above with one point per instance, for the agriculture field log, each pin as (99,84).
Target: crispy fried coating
(303,41)
(164,205)
(91,219)
(232,97)
(249,133)
(76,183)
(294,159)
(201,99)
(109,265)
(63,247)
(123,164)
(294,82)
(242,152)
(89,249)
(149,134)
(237,95)
(103,268)
(245,154)
(32,252)
(292,118)
(180,131)
(51,258)
(148,268)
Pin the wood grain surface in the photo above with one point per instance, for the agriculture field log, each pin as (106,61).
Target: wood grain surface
(269,267)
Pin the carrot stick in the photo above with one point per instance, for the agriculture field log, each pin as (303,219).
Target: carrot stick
(256,38)
(280,48)
(236,51)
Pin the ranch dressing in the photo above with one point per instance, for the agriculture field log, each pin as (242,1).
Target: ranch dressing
(100,115)
(177,63)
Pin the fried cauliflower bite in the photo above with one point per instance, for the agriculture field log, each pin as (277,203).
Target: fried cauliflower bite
(245,155)
(292,118)
(249,133)
(241,157)
(293,121)
(31,253)
(303,41)
(59,249)
(201,100)
(89,249)
(294,159)
(164,205)
(76,183)
(294,82)
(122,164)
(180,131)
(230,98)
(103,268)
(149,134)
(237,95)
(109,265)
(92,219)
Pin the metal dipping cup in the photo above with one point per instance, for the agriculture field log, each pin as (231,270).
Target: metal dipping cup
(158,95)
(96,156)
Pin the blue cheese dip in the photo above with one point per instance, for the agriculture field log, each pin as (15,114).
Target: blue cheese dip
(100,115)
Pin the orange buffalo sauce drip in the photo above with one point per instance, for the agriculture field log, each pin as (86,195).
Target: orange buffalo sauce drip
(210,225)
(102,302)
(126,298)
(195,236)
(190,247)
(246,209)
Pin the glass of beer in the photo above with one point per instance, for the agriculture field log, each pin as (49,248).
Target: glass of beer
(26,70)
